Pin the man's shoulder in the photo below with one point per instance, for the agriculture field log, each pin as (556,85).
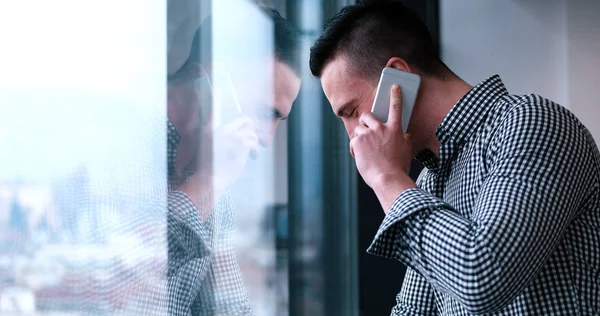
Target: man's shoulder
(532,104)
(535,121)
(532,122)
(535,111)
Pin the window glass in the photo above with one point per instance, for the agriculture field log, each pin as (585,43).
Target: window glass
(82,182)
(148,163)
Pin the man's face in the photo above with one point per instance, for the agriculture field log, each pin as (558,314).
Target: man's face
(349,95)
(268,99)
(265,98)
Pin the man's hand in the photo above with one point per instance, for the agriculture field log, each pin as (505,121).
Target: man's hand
(383,152)
(232,144)
(217,156)
(221,160)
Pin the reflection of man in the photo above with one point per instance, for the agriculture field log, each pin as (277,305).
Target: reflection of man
(204,162)
(505,219)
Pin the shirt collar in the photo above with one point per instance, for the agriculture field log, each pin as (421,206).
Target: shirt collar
(427,158)
(172,135)
(173,140)
(467,115)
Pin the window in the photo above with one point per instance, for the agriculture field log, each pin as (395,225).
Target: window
(86,188)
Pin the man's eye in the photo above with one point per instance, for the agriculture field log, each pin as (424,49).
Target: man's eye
(352,113)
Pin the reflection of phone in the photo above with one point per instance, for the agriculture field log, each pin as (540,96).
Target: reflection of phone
(408,82)
(225,102)
(217,97)
(205,97)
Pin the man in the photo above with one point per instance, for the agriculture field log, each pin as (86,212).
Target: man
(204,162)
(505,218)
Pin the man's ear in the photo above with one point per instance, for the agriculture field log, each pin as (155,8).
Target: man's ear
(399,64)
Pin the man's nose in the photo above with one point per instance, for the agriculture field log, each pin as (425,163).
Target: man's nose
(350,126)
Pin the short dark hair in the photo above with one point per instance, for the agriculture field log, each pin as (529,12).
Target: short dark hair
(286,43)
(372,32)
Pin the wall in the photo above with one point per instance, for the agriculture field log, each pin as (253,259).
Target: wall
(549,47)
(583,32)
(522,41)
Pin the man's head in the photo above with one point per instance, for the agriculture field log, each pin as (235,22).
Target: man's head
(362,39)
(268,110)
(283,64)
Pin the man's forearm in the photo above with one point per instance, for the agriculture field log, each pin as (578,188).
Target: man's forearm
(388,189)
(190,250)
(205,246)
(201,191)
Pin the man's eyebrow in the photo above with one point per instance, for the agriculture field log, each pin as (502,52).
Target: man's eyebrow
(344,107)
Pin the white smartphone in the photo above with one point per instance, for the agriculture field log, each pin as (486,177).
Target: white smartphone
(217,91)
(225,102)
(409,84)
(204,92)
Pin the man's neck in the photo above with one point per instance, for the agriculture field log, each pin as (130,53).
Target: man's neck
(436,99)
(186,152)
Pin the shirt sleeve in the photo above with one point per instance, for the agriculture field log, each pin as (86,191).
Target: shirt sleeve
(538,176)
(204,277)
(188,255)
(415,298)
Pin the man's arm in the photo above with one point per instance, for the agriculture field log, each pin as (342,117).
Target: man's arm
(204,275)
(189,254)
(415,298)
(539,175)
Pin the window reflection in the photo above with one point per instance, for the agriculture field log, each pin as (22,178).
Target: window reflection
(221,259)
(104,210)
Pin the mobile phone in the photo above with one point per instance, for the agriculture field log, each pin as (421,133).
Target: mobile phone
(217,97)
(226,106)
(409,84)
(204,92)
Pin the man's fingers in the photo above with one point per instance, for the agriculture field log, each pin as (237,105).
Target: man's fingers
(242,122)
(253,146)
(395,114)
(369,120)
(250,142)
(359,130)
(240,136)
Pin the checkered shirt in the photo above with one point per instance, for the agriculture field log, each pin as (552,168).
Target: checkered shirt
(507,220)
(204,277)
